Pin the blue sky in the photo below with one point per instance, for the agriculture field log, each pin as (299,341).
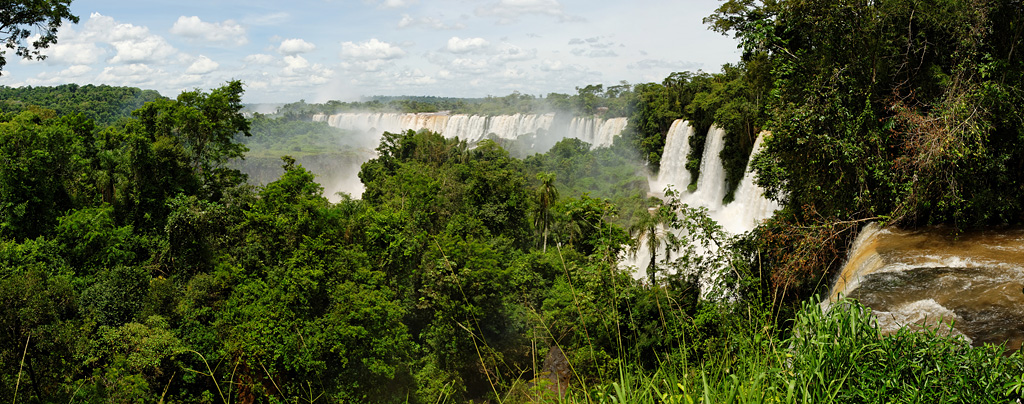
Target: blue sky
(320,50)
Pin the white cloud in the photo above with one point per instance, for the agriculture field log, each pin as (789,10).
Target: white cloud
(133,44)
(509,11)
(548,65)
(298,68)
(295,46)
(413,77)
(259,59)
(650,64)
(267,19)
(202,65)
(512,53)
(594,53)
(227,32)
(135,74)
(409,21)
(76,71)
(372,49)
(398,3)
(69,75)
(73,48)
(470,65)
(459,45)
(295,63)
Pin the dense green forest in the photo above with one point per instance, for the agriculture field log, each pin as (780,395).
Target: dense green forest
(138,265)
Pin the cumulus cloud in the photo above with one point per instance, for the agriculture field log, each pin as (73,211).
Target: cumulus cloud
(594,53)
(69,75)
(470,65)
(101,35)
(132,44)
(295,46)
(650,64)
(74,49)
(548,65)
(512,53)
(259,59)
(508,11)
(135,74)
(267,19)
(202,65)
(227,32)
(593,47)
(459,45)
(409,21)
(370,50)
(413,77)
(397,3)
(297,66)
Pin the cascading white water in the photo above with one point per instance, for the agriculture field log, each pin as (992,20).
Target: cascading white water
(673,161)
(711,179)
(748,208)
(596,131)
(749,205)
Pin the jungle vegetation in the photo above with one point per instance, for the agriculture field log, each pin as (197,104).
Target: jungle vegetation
(137,265)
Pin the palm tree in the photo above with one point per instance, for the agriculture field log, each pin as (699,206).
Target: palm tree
(648,229)
(546,197)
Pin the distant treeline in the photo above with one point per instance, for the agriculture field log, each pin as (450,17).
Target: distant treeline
(103,103)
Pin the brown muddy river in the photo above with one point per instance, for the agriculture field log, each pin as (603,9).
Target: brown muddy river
(974,281)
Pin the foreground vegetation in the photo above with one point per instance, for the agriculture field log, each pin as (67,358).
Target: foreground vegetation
(138,267)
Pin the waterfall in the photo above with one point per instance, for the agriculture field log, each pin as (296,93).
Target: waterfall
(598,132)
(972,281)
(749,205)
(673,161)
(711,180)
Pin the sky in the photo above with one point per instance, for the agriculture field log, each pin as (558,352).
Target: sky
(319,50)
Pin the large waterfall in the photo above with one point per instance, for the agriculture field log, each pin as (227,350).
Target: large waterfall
(748,208)
(973,281)
(673,168)
(599,132)
(749,205)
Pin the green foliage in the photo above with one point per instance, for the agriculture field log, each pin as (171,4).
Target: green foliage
(104,104)
(887,106)
(35,20)
(37,160)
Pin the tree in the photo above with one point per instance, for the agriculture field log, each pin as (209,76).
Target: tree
(199,131)
(649,229)
(20,19)
(546,196)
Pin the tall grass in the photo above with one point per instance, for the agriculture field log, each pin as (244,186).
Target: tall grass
(834,357)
